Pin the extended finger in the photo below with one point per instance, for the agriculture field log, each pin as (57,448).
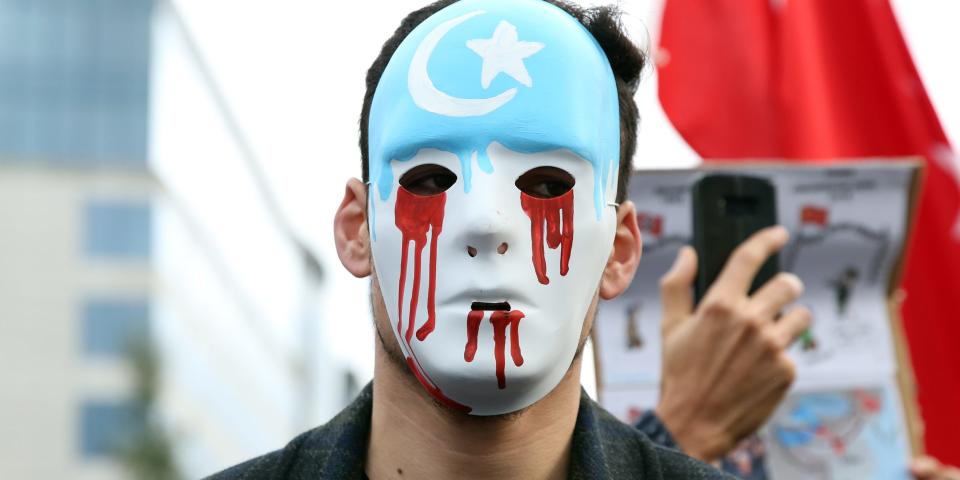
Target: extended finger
(924,468)
(780,291)
(791,325)
(952,473)
(675,294)
(746,260)
(929,468)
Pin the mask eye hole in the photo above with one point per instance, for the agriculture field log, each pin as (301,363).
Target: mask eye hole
(428,179)
(545,182)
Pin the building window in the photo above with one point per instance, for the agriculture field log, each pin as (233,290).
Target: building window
(118,230)
(113,327)
(74,81)
(105,426)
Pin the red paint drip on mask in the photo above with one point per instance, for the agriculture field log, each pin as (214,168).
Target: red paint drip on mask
(556,215)
(414,216)
(500,320)
(434,390)
(473,328)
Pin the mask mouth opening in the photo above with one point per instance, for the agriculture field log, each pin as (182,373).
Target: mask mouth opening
(487,306)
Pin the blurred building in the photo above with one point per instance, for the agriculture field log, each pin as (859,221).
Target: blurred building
(129,209)
(76,226)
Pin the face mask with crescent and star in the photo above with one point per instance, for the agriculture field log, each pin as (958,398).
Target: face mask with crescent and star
(494,146)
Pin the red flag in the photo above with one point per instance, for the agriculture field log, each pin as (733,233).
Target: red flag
(821,80)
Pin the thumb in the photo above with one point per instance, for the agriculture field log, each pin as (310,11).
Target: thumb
(929,468)
(675,289)
(924,468)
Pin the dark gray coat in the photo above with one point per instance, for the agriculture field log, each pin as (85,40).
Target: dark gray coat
(603,448)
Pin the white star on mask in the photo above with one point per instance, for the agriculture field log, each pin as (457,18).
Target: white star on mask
(504,53)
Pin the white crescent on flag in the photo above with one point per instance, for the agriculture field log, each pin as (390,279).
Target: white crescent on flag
(428,97)
(502,53)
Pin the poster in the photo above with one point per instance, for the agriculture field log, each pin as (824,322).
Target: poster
(848,225)
(850,431)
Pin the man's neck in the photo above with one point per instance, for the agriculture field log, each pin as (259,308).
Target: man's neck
(412,437)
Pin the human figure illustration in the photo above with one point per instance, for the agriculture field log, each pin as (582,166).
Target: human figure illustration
(634,336)
(843,286)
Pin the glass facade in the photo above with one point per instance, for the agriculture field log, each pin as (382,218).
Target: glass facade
(105,426)
(75,93)
(112,327)
(74,81)
(116,230)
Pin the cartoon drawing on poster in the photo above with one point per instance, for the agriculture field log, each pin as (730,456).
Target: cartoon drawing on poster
(633,335)
(837,434)
(629,326)
(844,252)
(847,231)
(746,461)
(843,285)
(846,318)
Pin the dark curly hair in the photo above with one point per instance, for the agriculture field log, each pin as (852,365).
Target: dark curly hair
(626,60)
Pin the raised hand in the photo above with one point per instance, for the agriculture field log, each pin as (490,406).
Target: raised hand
(725,364)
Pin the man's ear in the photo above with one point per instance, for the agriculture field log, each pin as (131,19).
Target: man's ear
(625,256)
(350,230)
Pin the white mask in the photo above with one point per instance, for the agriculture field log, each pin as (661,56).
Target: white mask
(486,286)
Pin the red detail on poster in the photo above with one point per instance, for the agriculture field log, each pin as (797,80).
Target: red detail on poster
(652,224)
(868,402)
(811,215)
(839,447)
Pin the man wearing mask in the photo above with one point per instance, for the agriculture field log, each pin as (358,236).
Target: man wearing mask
(496,139)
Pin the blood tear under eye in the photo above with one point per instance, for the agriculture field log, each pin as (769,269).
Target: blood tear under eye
(547,213)
(414,215)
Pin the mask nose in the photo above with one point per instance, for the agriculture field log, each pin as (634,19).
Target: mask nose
(487,233)
(501,249)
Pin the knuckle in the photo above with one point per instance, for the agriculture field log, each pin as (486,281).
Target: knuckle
(800,286)
(791,284)
(749,254)
(781,283)
(804,316)
(788,368)
(753,324)
(771,344)
(719,307)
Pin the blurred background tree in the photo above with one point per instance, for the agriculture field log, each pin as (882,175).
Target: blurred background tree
(148,451)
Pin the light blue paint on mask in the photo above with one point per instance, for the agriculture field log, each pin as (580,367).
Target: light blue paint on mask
(466,167)
(431,93)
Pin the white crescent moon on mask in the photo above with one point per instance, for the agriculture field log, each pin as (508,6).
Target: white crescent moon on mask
(426,95)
